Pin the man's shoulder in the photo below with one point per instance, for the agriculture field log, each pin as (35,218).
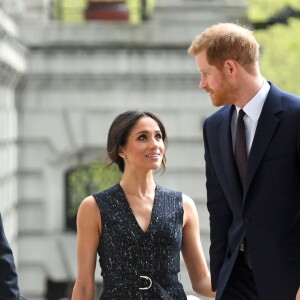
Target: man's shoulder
(290,97)
(219,115)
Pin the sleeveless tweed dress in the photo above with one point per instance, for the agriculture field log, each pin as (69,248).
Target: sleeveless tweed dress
(136,264)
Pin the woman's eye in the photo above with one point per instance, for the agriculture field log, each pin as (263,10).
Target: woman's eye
(142,137)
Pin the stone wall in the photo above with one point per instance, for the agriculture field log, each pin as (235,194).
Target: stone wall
(12,66)
(78,77)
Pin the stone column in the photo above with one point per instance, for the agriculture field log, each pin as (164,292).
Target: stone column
(12,65)
(27,9)
(11,7)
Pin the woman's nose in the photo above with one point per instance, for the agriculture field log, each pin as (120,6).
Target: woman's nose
(154,142)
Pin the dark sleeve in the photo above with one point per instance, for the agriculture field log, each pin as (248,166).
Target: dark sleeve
(9,289)
(220,216)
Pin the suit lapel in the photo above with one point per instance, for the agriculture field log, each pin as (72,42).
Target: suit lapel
(227,160)
(266,127)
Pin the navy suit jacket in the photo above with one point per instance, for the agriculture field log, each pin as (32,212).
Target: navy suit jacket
(9,289)
(267,213)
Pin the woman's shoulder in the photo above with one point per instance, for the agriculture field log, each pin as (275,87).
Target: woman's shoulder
(107,193)
(87,207)
(175,192)
(166,189)
(98,200)
(188,201)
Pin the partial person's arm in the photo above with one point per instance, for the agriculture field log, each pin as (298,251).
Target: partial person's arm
(192,251)
(220,215)
(298,294)
(9,288)
(88,233)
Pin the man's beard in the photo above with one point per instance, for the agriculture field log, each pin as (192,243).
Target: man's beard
(225,94)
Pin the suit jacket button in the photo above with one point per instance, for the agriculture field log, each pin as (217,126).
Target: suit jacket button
(246,220)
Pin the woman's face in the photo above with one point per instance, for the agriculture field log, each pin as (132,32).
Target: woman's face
(145,148)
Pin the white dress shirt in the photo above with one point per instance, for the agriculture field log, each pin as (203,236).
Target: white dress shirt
(253,110)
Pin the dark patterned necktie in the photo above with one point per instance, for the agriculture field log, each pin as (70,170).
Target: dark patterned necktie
(240,147)
(241,163)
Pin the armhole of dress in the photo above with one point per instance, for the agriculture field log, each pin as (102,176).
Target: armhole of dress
(180,197)
(181,207)
(97,200)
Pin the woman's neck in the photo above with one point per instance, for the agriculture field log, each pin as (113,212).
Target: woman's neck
(138,185)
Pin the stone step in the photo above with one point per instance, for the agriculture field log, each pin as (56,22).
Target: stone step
(168,26)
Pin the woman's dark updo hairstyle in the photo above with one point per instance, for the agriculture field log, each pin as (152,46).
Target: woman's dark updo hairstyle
(119,131)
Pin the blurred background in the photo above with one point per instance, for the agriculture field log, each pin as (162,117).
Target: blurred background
(67,68)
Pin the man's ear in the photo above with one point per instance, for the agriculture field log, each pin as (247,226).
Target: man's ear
(230,67)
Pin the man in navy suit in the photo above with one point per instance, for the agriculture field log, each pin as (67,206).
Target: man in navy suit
(253,203)
(9,289)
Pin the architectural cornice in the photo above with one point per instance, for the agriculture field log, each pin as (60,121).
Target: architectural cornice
(12,53)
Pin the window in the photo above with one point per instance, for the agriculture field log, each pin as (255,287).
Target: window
(82,182)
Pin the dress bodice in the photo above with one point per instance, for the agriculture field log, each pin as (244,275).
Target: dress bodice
(137,264)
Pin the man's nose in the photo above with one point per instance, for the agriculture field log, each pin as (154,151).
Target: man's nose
(202,83)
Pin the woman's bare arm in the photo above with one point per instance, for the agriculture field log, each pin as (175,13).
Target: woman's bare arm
(192,251)
(88,234)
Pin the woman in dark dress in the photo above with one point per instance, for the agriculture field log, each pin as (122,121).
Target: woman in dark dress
(137,227)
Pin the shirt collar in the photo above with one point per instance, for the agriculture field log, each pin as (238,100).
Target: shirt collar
(254,107)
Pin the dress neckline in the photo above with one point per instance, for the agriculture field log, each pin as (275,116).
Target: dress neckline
(153,212)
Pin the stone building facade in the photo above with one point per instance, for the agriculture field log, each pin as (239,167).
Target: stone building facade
(62,84)
(12,68)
